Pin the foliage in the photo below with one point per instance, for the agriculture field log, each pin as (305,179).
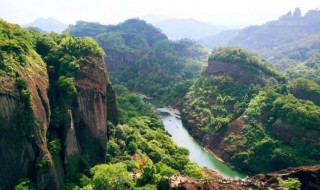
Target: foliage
(240,56)
(130,105)
(141,143)
(141,57)
(309,70)
(257,120)
(54,146)
(305,89)
(111,176)
(303,113)
(194,171)
(67,88)
(231,99)
(148,174)
(25,184)
(290,184)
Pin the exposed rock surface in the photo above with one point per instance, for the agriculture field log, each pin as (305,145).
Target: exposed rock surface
(26,134)
(90,111)
(309,176)
(23,128)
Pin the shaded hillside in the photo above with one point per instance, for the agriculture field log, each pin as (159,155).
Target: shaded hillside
(142,58)
(284,42)
(53,109)
(286,29)
(309,70)
(218,40)
(48,25)
(244,111)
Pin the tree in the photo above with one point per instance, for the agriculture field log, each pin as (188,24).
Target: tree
(113,176)
(132,147)
(290,184)
(148,174)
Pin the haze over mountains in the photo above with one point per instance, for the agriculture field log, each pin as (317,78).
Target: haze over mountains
(176,28)
(72,114)
(284,42)
(48,25)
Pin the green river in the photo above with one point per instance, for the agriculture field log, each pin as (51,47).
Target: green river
(173,124)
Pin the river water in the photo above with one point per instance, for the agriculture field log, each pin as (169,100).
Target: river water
(173,124)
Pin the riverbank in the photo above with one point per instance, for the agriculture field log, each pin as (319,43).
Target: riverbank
(213,154)
(199,154)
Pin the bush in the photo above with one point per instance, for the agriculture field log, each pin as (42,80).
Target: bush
(290,184)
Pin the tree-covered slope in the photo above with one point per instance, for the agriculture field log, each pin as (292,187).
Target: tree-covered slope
(140,155)
(291,39)
(59,120)
(53,107)
(253,118)
(309,70)
(142,58)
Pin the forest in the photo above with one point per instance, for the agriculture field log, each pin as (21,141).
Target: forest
(73,116)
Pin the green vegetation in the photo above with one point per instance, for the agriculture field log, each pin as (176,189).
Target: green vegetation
(113,176)
(228,99)
(262,129)
(308,70)
(25,184)
(64,56)
(141,58)
(246,59)
(284,42)
(305,89)
(290,184)
(140,154)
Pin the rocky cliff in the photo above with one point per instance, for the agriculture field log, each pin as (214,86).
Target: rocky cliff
(309,177)
(50,119)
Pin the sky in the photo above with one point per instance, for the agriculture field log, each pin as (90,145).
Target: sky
(222,12)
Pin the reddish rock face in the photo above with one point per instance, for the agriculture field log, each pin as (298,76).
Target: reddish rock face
(90,111)
(23,127)
(237,72)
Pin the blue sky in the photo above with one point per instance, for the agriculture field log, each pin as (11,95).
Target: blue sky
(224,12)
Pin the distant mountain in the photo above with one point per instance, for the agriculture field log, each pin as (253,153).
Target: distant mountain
(48,25)
(218,40)
(184,28)
(286,29)
(284,42)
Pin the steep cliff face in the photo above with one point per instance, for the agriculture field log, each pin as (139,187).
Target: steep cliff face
(24,119)
(46,129)
(90,110)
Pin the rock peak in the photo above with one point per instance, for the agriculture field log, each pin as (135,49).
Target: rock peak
(297,12)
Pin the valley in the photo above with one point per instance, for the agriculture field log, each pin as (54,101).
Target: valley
(75,111)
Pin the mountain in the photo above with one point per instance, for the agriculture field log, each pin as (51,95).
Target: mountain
(54,107)
(140,56)
(284,42)
(247,113)
(218,40)
(59,117)
(48,25)
(186,28)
